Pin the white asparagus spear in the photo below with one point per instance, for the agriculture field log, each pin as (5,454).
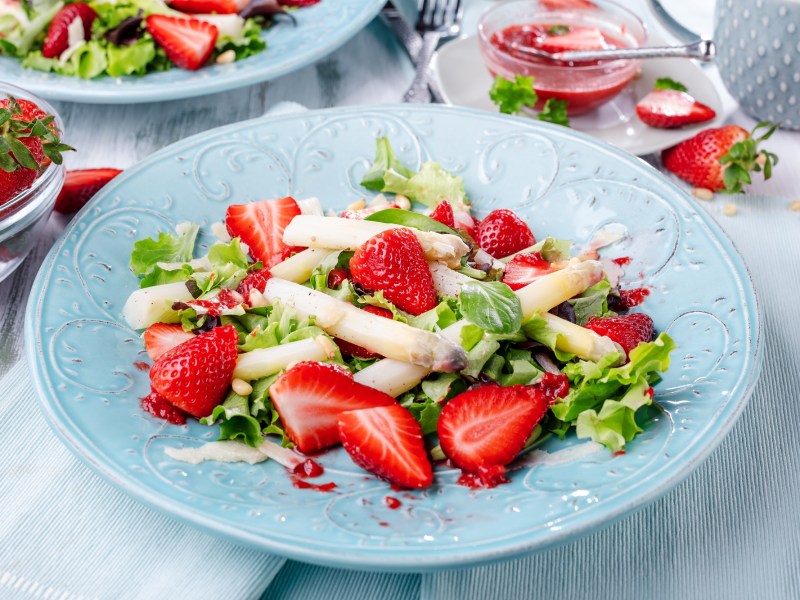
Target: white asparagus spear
(150,305)
(263,362)
(540,296)
(298,267)
(447,281)
(392,339)
(580,341)
(337,233)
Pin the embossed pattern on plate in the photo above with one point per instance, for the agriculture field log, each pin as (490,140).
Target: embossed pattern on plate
(562,182)
(320,30)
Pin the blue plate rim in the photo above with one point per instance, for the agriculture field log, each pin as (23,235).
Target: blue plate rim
(374,560)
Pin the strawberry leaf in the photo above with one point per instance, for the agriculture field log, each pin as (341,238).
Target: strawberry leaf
(665,83)
(21,153)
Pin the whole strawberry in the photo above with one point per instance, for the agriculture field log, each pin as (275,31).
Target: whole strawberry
(28,143)
(394,262)
(195,375)
(503,233)
(721,159)
(627,330)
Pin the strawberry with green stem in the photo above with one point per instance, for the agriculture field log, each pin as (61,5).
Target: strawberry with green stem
(28,143)
(722,159)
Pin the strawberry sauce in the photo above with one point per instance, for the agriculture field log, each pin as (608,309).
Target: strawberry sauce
(392,502)
(622,261)
(305,485)
(161,408)
(141,365)
(485,478)
(554,386)
(634,297)
(308,468)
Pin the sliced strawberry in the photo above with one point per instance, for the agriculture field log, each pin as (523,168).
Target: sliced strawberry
(260,225)
(667,109)
(57,38)
(444,214)
(524,269)
(387,442)
(187,42)
(464,220)
(336,277)
(255,280)
(627,330)
(503,233)
(309,398)
(349,349)
(577,38)
(559,4)
(208,7)
(28,110)
(394,262)
(80,186)
(196,374)
(489,425)
(162,337)
(160,407)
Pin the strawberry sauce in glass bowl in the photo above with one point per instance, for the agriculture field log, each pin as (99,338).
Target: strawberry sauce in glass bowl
(556,26)
(23,216)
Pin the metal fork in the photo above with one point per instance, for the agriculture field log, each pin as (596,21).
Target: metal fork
(437,19)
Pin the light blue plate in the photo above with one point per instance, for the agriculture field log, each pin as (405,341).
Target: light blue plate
(563,183)
(320,30)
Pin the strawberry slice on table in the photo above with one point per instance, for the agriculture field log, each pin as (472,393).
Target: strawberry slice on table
(503,233)
(187,42)
(57,38)
(349,349)
(208,7)
(195,375)
(160,338)
(309,398)
(80,186)
(524,269)
(394,262)
(668,109)
(627,330)
(489,425)
(260,225)
(721,158)
(444,214)
(387,442)
(576,39)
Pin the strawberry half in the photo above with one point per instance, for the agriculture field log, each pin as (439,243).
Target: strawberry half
(208,7)
(80,186)
(160,338)
(387,442)
(668,109)
(489,425)
(503,233)
(394,262)
(444,214)
(196,374)
(349,349)
(260,225)
(309,398)
(57,38)
(577,38)
(524,269)
(721,158)
(187,42)
(627,330)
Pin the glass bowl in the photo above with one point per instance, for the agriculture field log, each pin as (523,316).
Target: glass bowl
(583,85)
(23,217)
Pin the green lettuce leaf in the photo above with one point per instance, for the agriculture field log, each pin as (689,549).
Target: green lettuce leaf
(147,253)
(159,276)
(430,186)
(385,160)
(492,306)
(615,423)
(247,44)
(436,319)
(592,302)
(130,60)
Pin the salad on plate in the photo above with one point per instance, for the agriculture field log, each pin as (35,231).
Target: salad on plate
(409,338)
(116,38)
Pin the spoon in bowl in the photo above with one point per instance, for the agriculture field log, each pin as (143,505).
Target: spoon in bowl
(703,50)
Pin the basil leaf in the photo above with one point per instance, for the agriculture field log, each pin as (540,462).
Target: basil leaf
(491,306)
(407,218)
